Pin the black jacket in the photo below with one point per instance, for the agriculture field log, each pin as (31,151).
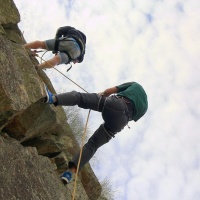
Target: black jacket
(68,31)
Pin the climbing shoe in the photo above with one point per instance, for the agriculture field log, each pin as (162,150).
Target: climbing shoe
(49,99)
(66,177)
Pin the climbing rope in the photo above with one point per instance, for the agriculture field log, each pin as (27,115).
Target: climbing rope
(85,128)
(58,70)
(81,150)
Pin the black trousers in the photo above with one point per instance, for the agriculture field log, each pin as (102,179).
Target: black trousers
(114,113)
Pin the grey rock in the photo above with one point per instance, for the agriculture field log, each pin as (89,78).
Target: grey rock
(36,141)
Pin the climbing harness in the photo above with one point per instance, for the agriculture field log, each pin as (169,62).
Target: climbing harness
(67,38)
(85,128)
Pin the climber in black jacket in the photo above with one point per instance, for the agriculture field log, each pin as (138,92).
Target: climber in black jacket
(118,105)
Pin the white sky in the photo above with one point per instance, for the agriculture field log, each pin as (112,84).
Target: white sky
(155,43)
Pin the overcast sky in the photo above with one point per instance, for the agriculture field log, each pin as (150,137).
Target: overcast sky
(155,43)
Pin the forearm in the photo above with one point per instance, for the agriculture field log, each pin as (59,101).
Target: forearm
(109,91)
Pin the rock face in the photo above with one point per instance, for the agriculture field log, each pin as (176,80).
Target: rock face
(26,175)
(35,140)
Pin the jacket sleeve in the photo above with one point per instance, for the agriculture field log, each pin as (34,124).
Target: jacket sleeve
(62,31)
